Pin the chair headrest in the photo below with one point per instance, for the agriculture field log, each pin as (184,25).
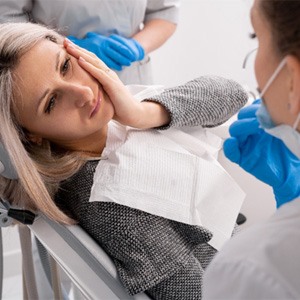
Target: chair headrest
(6,212)
(6,167)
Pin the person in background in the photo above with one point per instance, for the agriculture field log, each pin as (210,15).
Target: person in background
(263,261)
(121,33)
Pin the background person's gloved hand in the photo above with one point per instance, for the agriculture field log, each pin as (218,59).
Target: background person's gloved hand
(133,45)
(263,156)
(113,53)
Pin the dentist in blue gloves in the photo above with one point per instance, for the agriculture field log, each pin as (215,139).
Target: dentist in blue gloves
(264,155)
(121,33)
(263,261)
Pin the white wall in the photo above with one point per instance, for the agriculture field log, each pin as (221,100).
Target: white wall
(212,37)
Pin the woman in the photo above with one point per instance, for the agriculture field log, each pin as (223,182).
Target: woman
(122,33)
(57,106)
(263,262)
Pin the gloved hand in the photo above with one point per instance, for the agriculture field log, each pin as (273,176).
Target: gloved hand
(113,53)
(264,156)
(133,45)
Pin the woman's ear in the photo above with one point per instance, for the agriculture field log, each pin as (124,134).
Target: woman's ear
(293,68)
(34,139)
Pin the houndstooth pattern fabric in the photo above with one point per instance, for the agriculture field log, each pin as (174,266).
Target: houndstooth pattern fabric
(153,254)
(208,101)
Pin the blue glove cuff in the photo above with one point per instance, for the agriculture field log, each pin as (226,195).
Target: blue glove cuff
(287,191)
(140,49)
(282,200)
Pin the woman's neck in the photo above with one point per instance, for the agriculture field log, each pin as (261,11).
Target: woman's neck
(92,145)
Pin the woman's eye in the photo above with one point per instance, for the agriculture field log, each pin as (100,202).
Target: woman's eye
(50,105)
(252,35)
(65,66)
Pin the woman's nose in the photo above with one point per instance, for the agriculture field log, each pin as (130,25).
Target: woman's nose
(82,95)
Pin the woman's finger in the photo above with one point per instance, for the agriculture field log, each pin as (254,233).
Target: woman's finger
(126,109)
(87,55)
(105,76)
(68,42)
(77,52)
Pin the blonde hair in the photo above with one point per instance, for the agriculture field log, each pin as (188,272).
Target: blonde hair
(39,169)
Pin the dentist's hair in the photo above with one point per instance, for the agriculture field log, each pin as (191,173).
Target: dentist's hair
(284,19)
(39,170)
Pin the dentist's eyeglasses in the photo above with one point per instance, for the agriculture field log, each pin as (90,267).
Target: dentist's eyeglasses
(247,57)
(253,94)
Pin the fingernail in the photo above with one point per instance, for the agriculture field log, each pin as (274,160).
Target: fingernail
(81,59)
(69,41)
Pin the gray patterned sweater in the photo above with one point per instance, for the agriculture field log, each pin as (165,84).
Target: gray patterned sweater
(164,258)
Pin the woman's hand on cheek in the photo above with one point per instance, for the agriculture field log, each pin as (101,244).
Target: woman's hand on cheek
(127,110)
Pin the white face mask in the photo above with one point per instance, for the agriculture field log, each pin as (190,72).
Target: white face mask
(289,135)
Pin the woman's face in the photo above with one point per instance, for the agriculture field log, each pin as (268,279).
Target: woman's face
(266,62)
(58,100)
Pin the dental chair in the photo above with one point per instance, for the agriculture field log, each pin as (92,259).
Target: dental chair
(88,267)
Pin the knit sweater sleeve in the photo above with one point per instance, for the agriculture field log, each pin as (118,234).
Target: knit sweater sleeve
(207,101)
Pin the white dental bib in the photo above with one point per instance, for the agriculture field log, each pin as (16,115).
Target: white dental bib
(173,174)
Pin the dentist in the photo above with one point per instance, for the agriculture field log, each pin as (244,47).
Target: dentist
(263,262)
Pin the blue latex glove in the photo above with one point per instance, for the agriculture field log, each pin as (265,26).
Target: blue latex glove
(133,45)
(113,53)
(264,156)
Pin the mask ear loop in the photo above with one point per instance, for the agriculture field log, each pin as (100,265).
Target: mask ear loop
(271,79)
